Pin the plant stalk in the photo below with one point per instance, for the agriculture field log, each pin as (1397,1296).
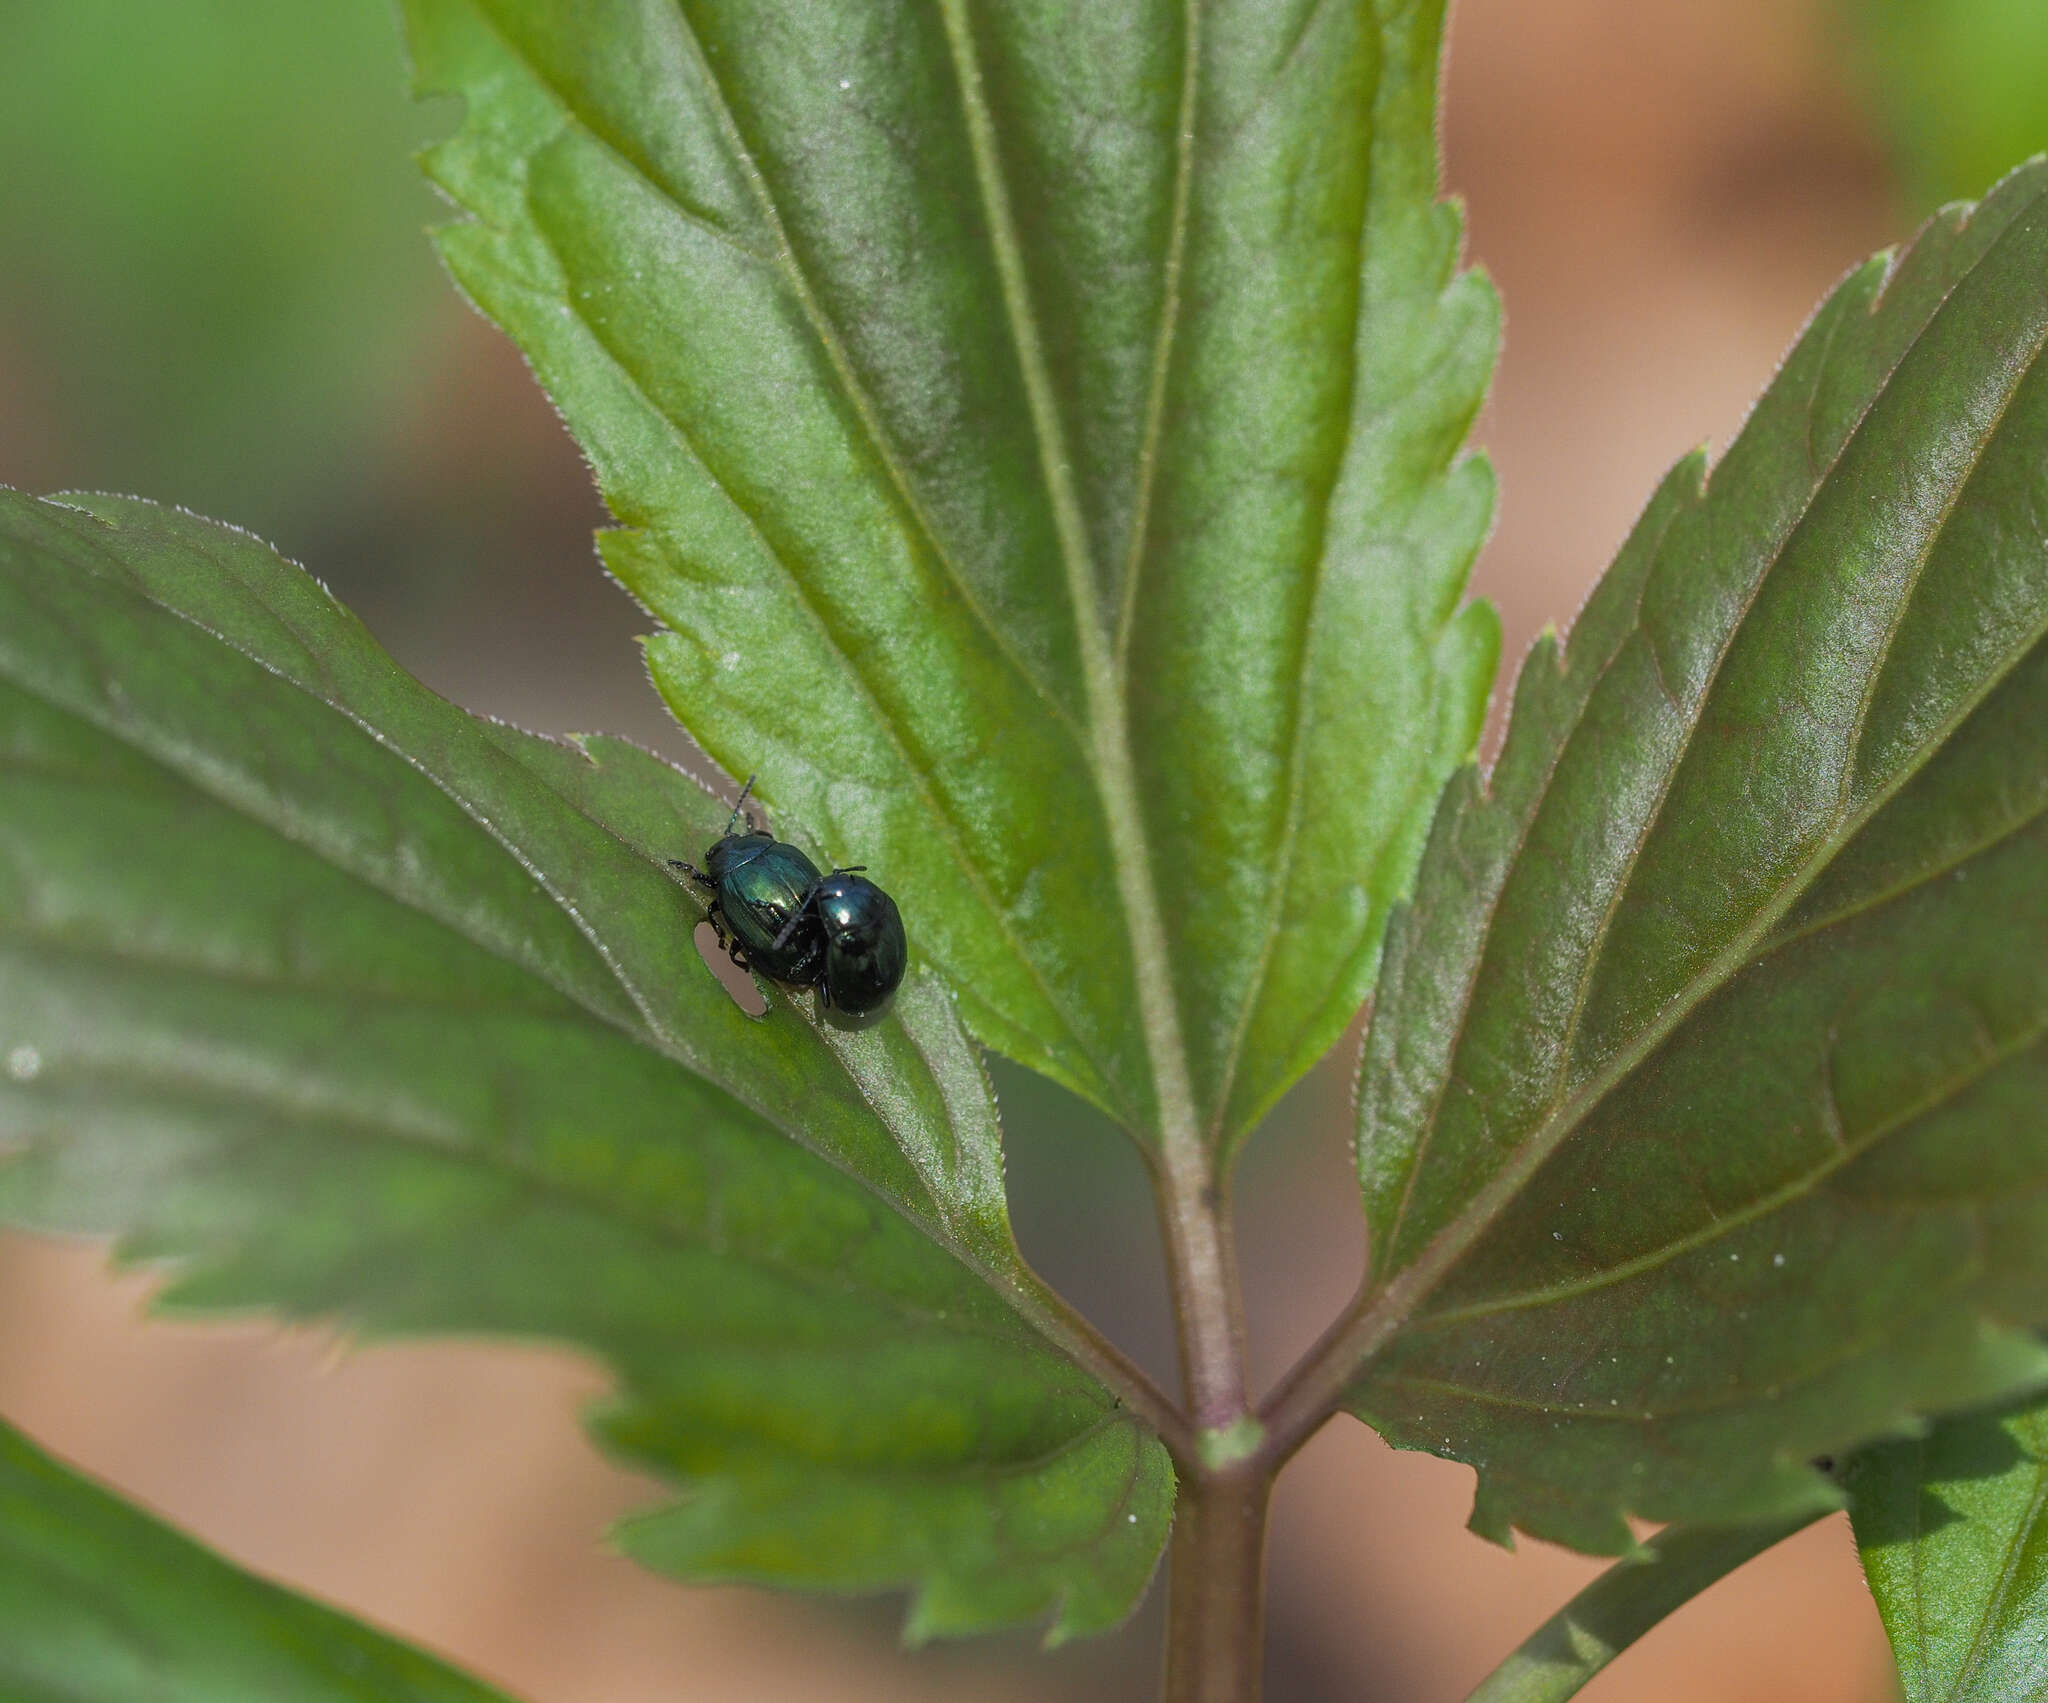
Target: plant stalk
(1201,1260)
(1215,1587)
(1213,1647)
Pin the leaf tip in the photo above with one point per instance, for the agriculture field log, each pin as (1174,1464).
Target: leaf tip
(1492,1518)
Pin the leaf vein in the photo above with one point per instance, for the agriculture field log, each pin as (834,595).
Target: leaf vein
(920,772)
(822,327)
(1301,704)
(346,1123)
(1875,1339)
(1725,1223)
(2010,1562)
(1911,884)
(1565,1112)
(1173,269)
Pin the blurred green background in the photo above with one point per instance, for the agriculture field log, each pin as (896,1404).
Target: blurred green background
(216,285)
(216,291)
(1959,86)
(216,288)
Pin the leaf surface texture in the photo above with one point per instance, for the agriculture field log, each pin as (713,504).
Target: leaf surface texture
(1034,428)
(1701,1117)
(356,1006)
(1953,1528)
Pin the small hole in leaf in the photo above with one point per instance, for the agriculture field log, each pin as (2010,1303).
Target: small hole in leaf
(736,981)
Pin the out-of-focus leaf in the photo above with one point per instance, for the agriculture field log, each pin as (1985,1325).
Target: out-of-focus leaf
(1034,427)
(1575,1644)
(215,284)
(101,1604)
(1955,1545)
(1704,1116)
(1960,86)
(354,1005)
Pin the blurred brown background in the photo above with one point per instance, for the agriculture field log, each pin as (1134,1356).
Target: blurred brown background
(214,290)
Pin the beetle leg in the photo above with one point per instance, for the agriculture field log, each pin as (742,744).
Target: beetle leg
(716,918)
(694,873)
(731,942)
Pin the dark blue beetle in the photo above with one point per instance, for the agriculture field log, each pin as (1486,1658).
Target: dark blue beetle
(775,913)
(865,951)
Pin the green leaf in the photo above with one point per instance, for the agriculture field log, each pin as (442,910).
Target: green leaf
(358,1006)
(1575,1644)
(1701,1123)
(1958,86)
(1033,427)
(101,1604)
(1956,1551)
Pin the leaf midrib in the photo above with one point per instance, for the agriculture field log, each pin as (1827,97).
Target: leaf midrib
(1040,1312)
(347,1125)
(822,327)
(1301,702)
(2008,1574)
(1113,767)
(1725,1224)
(1379,1313)
(1712,975)
(645,1034)
(1146,468)
(829,339)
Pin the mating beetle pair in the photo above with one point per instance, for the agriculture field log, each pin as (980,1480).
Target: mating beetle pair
(775,913)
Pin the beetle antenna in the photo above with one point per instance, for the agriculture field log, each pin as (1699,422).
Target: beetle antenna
(796,916)
(740,804)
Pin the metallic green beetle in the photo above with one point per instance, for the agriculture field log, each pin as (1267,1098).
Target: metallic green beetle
(775,913)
